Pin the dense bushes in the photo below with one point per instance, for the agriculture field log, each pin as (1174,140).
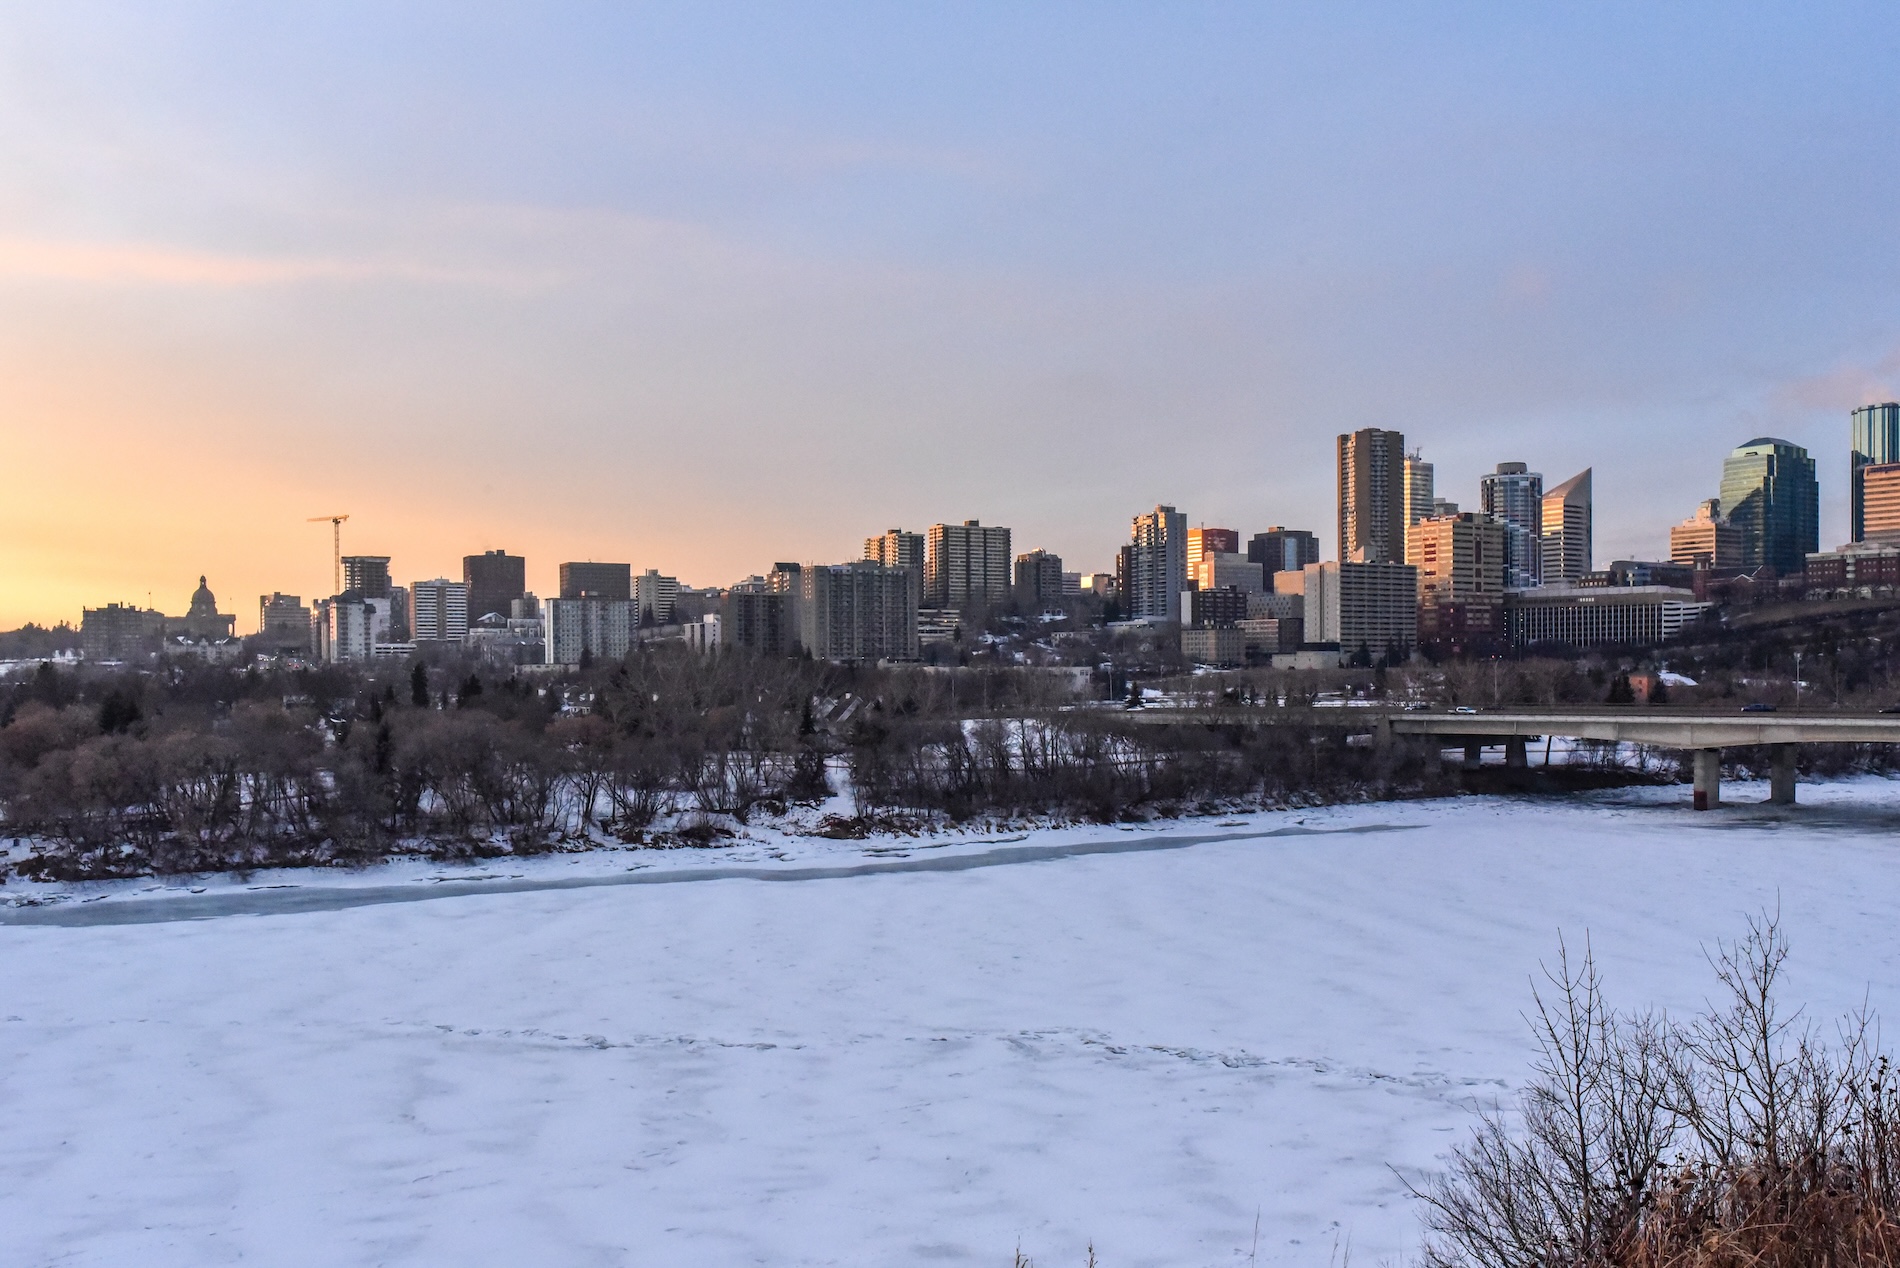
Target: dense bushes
(1743,1137)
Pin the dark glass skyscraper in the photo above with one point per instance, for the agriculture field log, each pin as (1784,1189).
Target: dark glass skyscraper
(1876,438)
(1514,494)
(1769,492)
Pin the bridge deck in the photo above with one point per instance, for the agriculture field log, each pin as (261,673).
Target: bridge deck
(1699,729)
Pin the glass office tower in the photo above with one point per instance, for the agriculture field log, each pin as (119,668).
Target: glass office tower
(1769,492)
(1514,494)
(1876,438)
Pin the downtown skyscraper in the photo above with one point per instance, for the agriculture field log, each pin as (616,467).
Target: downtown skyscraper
(1770,493)
(1875,441)
(1372,507)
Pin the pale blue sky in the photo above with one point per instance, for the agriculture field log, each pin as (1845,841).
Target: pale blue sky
(702,287)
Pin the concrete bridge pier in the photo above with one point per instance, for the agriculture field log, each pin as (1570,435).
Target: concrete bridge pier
(1708,778)
(1474,755)
(1515,756)
(1781,775)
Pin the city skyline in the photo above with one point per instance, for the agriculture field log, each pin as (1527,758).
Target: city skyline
(876,547)
(698,295)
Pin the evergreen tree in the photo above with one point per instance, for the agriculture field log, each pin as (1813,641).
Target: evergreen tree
(419,686)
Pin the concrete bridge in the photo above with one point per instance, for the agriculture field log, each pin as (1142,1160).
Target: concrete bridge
(1703,733)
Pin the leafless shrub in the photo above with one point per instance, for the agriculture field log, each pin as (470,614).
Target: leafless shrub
(1743,1136)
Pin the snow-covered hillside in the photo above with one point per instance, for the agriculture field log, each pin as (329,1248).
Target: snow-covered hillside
(1039,1044)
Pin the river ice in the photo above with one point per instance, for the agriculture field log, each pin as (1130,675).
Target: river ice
(1147,1049)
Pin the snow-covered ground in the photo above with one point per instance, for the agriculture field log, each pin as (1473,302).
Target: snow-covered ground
(832,1053)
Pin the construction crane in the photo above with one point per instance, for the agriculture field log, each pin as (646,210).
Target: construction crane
(336,532)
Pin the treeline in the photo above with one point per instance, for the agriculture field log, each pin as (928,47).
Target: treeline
(200,768)
(1102,767)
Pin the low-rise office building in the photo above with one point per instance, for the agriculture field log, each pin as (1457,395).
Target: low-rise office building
(1220,646)
(1578,616)
(1860,570)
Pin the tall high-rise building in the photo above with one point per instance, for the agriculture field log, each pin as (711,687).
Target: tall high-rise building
(283,622)
(1567,526)
(494,579)
(1368,609)
(1875,440)
(438,611)
(964,564)
(862,611)
(1282,550)
(655,596)
(1039,578)
(1706,539)
(367,575)
(1209,541)
(1372,510)
(894,548)
(1460,558)
(757,619)
(1460,563)
(1418,488)
(600,581)
(120,631)
(343,630)
(1154,566)
(1771,495)
(1514,495)
(1880,503)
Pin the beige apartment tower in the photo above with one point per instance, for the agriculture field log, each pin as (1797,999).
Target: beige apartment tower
(894,548)
(1372,510)
(1459,558)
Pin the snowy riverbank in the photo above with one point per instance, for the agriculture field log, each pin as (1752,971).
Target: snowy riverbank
(912,1050)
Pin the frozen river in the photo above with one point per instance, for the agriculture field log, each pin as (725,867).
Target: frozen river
(1145,1040)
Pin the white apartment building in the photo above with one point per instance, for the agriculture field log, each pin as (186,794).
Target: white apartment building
(343,630)
(438,611)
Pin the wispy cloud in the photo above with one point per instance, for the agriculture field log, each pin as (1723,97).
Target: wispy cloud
(1846,386)
(160,264)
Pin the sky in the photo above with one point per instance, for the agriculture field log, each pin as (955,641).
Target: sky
(700,287)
